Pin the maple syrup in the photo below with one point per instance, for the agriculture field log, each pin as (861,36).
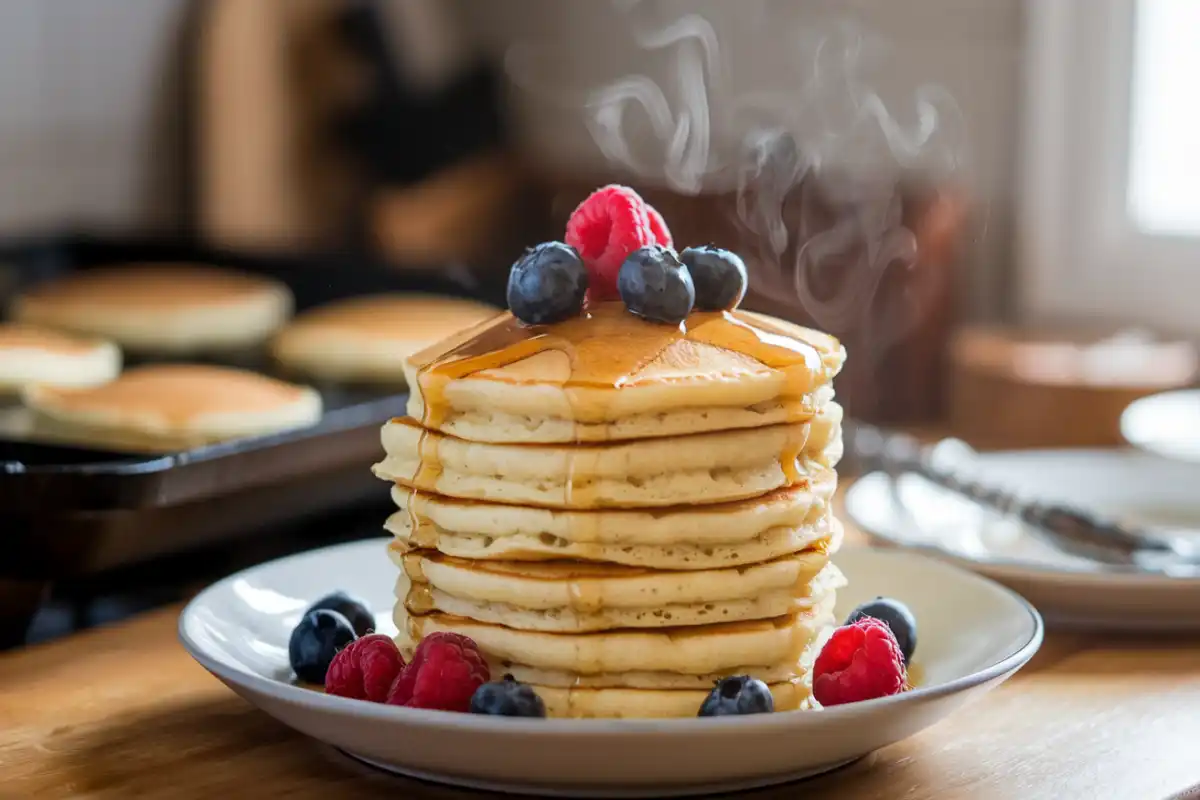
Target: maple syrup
(607,348)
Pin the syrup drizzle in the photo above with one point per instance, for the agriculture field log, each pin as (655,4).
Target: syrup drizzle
(607,349)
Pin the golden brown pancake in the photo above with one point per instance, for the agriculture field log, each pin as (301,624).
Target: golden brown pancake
(32,355)
(173,406)
(368,338)
(161,309)
(607,375)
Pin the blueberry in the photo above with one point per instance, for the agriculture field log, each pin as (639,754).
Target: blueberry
(896,616)
(315,641)
(655,285)
(719,276)
(737,695)
(547,284)
(507,698)
(350,607)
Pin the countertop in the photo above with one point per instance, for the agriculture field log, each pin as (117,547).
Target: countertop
(123,712)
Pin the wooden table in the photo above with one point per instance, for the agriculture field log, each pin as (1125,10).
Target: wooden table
(123,713)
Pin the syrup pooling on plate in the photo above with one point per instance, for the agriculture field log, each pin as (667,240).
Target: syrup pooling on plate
(606,348)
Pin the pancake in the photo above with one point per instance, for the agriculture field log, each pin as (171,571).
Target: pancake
(731,534)
(660,695)
(705,650)
(793,695)
(168,407)
(607,375)
(573,597)
(167,309)
(562,679)
(703,468)
(367,339)
(33,355)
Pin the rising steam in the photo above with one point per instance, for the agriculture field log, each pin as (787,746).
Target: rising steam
(813,165)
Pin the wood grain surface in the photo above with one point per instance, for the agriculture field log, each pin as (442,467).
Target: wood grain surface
(124,712)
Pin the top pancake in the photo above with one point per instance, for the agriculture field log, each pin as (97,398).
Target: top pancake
(607,375)
(161,309)
(368,338)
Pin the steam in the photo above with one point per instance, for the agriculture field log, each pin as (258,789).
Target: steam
(813,165)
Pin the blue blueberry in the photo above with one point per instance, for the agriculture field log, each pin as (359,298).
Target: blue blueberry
(315,641)
(737,695)
(547,284)
(719,277)
(655,285)
(350,607)
(896,616)
(507,698)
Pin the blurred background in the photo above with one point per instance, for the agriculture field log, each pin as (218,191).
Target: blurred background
(990,201)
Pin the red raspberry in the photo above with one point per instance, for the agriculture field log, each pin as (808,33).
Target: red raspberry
(365,669)
(605,228)
(859,662)
(445,671)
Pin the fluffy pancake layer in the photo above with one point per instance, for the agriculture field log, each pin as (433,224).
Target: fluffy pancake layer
(170,309)
(166,407)
(368,338)
(701,650)
(682,537)
(33,355)
(568,596)
(608,376)
(700,469)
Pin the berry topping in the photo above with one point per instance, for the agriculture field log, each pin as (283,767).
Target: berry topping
(547,284)
(656,286)
(444,673)
(507,698)
(365,669)
(315,641)
(350,607)
(737,695)
(719,277)
(606,227)
(860,661)
(896,616)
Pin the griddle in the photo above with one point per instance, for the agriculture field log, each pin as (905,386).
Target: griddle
(67,513)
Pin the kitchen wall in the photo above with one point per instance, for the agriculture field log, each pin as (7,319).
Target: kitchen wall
(88,113)
(90,107)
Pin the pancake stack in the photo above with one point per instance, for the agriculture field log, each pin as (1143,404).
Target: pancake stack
(619,512)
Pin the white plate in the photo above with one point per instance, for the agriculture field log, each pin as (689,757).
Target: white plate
(1167,424)
(973,634)
(1128,485)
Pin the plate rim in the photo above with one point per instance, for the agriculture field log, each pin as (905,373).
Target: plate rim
(1123,574)
(605,728)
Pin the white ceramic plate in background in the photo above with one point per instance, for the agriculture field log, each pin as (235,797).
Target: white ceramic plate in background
(1134,487)
(973,634)
(1167,424)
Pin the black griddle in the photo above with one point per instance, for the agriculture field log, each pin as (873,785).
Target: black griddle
(68,513)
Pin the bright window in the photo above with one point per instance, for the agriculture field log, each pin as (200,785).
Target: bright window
(1110,198)
(1164,153)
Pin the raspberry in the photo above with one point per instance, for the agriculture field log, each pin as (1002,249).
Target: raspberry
(605,228)
(445,671)
(365,669)
(860,661)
